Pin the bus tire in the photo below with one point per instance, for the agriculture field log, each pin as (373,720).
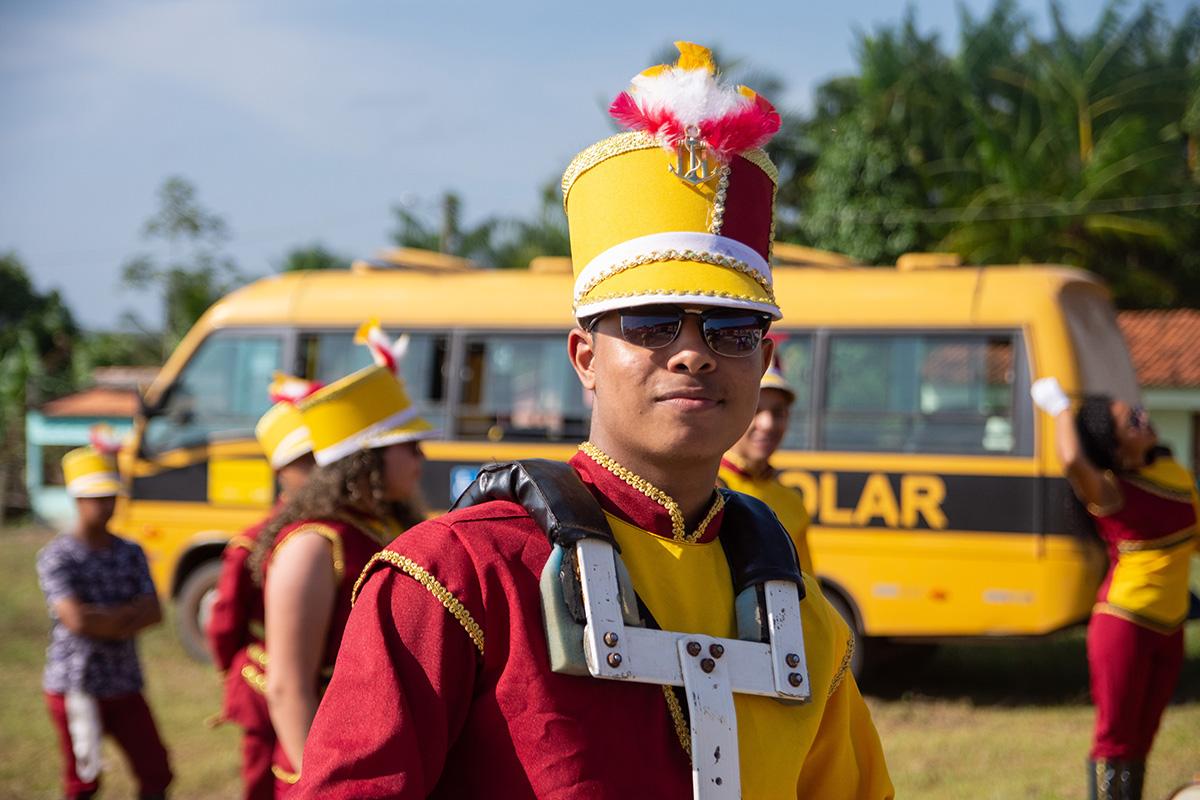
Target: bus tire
(858,661)
(193,604)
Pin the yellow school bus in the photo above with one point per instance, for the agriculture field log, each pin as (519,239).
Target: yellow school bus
(938,506)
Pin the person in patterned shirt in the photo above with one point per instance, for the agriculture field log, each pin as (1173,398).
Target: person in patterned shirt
(100,597)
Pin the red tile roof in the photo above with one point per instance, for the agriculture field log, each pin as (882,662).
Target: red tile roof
(1164,345)
(95,402)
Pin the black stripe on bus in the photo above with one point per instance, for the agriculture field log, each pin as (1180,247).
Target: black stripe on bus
(972,503)
(183,484)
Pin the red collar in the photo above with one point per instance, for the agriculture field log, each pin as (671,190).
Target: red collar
(639,502)
(734,464)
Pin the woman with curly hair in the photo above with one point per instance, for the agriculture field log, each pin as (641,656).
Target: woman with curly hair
(366,442)
(1144,506)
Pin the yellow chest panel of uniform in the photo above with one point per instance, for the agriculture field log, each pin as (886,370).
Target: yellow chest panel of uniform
(786,502)
(687,587)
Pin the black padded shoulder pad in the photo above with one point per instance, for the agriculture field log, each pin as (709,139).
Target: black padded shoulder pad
(550,491)
(756,546)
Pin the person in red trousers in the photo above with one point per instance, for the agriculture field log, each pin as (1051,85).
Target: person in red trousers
(1145,507)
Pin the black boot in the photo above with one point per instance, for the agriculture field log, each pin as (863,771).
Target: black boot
(1115,780)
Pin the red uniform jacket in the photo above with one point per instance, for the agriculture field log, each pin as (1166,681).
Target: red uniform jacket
(236,624)
(443,686)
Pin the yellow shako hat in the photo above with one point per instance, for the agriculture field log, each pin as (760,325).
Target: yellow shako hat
(679,208)
(281,431)
(774,378)
(91,471)
(366,409)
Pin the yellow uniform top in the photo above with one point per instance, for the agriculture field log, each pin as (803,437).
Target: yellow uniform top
(786,501)
(1151,535)
(827,748)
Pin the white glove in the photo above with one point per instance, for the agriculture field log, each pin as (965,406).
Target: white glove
(1049,396)
(85,728)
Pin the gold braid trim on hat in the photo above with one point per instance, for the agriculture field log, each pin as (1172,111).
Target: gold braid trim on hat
(696,256)
(432,585)
(717,216)
(675,292)
(678,530)
(629,141)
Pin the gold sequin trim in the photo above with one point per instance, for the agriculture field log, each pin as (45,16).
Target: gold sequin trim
(290,778)
(241,541)
(324,531)
(1181,495)
(629,141)
(603,150)
(678,531)
(657,256)
(258,655)
(1162,543)
(667,293)
(256,680)
(382,532)
(682,731)
(1138,619)
(443,595)
(718,207)
(840,675)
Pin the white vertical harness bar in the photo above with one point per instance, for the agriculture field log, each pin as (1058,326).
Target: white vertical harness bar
(710,669)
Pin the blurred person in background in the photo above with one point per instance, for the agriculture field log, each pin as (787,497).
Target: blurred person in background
(236,627)
(1144,506)
(100,595)
(365,437)
(747,468)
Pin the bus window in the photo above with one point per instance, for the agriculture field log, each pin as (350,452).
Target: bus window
(794,351)
(520,387)
(932,393)
(331,355)
(219,393)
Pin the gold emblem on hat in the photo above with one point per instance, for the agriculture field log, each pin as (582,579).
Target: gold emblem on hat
(698,169)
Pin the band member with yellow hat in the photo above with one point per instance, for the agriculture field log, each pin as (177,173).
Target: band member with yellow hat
(617,627)
(747,466)
(100,596)
(365,435)
(236,626)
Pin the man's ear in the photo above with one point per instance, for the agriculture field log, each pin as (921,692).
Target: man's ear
(581,349)
(768,353)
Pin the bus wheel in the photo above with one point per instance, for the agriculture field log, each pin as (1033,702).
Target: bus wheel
(193,607)
(858,661)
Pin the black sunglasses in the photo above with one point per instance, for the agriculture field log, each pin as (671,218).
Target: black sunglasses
(727,331)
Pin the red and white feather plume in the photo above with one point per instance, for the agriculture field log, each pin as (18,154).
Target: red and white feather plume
(384,351)
(669,101)
(103,439)
(286,388)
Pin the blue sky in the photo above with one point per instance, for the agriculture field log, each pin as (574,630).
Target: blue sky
(302,121)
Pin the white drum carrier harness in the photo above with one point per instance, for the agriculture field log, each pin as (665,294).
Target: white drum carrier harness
(596,625)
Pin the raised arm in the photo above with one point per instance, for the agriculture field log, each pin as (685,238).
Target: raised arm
(1091,484)
(300,593)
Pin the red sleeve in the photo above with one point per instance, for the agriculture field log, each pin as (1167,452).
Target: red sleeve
(227,626)
(402,685)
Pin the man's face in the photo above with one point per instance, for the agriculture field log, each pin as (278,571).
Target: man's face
(679,401)
(95,512)
(767,428)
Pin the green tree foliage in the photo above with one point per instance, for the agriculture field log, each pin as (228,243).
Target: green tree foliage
(1076,148)
(506,242)
(190,271)
(37,338)
(313,257)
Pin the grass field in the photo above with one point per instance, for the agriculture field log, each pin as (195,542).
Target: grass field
(982,721)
